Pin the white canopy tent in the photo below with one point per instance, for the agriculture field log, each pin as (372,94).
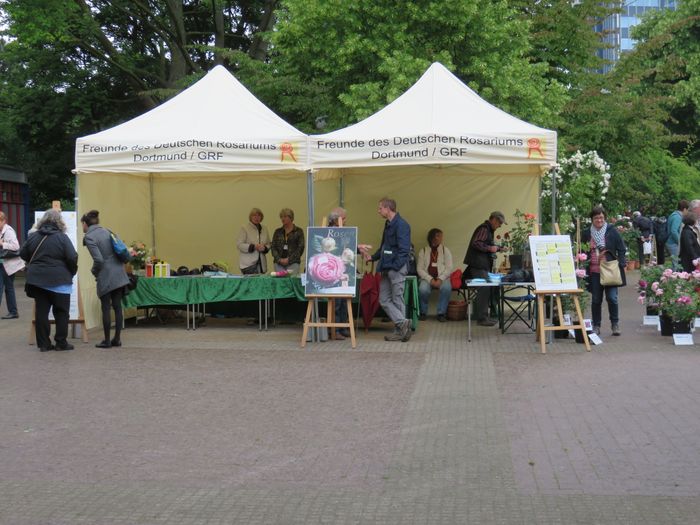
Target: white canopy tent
(184,176)
(447,156)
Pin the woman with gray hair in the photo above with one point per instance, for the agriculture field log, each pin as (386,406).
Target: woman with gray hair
(287,244)
(253,244)
(51,264)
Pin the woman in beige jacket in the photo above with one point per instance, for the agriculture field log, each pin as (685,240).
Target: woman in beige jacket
(253,244)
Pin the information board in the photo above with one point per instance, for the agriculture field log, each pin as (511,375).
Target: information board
(330,261)
(553,263)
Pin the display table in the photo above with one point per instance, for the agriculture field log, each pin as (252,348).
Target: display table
(518,304)
(188,291)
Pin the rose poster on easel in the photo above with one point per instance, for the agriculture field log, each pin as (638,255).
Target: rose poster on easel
(553,263)
(330,261)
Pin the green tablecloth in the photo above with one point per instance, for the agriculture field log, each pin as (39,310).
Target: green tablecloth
(196,290)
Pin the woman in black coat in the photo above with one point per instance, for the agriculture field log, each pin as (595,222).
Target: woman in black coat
(689,247)
(51,264)
(605,241)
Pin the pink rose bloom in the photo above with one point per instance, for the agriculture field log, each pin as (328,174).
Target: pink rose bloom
(641,299)
(642,284)
(326,268)
(659,291)
(582,257)
(667,272)
(654,286)
(683,275)
(580,272)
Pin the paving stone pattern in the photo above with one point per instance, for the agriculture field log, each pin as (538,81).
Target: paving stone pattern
(230,425)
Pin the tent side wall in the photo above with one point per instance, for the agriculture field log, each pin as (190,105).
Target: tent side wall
(454,199)
(124,203)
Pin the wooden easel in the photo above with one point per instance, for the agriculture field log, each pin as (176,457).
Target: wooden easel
(574,293)
(330,318)
(330,322)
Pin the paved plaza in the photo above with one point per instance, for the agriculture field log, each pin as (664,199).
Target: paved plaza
(227,424)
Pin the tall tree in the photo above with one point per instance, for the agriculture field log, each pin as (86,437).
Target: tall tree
(358,56)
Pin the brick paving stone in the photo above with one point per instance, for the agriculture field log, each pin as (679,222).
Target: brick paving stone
(227,424)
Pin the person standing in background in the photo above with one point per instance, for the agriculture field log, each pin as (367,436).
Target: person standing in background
(9,266)
(673,227)
(287,244)
(253,244)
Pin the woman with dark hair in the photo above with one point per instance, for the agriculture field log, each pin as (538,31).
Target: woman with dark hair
(689,247)
(434,268)
(51,264)
(605,242)
(110,275)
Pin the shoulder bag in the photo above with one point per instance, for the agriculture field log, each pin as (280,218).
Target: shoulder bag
(610,272)
(29,288)
(7,254)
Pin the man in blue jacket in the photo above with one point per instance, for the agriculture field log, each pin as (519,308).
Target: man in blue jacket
(674,225)
(393,265)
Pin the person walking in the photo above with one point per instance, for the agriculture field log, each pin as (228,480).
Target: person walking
(10,264)
(110,275)
(605,244)
(51,264)
(393,265)
(645,229)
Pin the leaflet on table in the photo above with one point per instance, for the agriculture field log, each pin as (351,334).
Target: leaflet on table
(553,262)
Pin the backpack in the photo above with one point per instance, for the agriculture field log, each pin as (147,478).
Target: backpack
(120,249)
(661,229)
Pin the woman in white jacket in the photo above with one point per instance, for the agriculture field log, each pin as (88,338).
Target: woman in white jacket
(9,266)
(434,267)
(253,244)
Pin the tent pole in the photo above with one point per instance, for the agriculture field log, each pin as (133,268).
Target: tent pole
(341,190)
(153,214)
(554,200)
(310,195)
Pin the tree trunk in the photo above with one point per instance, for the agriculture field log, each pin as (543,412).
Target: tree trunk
(258,48)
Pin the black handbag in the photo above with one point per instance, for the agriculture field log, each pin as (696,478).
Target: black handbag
(8,254)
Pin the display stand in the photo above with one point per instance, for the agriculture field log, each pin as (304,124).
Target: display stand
(541,328)
(330,318)
(556,290)
(329,323)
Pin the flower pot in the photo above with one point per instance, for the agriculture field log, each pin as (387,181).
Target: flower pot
(457,310)
(681,327)
(516,262)
(666,324)
(630,266)
(578,335)
(652,309)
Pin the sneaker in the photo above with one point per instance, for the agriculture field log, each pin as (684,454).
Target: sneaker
(616,329)
(64,346)
(406,331)
(486,322)
(393,337)
(441,318)
(10,316)
(596,330)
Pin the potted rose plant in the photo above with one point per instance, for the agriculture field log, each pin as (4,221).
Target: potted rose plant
(678,299)
(138,253)
(651,273)
(516,241)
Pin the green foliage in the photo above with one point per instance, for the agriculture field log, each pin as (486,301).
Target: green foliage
(362,55)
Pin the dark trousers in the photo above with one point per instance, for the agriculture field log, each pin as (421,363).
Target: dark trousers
(112,300)
(8,284)
(46,301)
(597,291)
(660,254)
(483,295)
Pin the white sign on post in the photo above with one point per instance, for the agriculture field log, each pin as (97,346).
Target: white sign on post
(553,263)
(71,220)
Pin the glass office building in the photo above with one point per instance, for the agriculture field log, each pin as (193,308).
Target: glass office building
(618,27)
